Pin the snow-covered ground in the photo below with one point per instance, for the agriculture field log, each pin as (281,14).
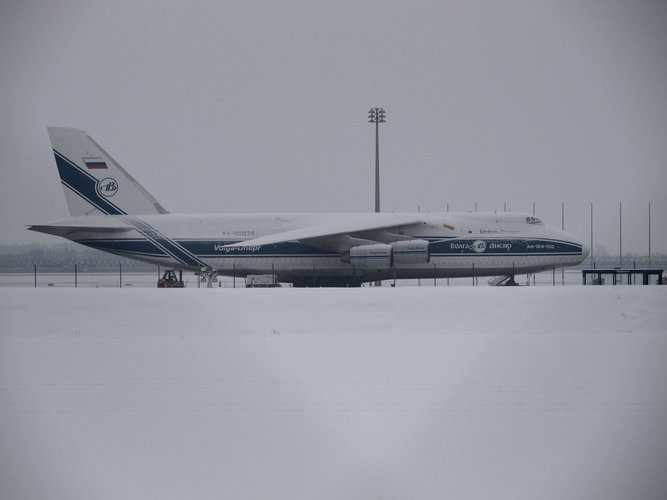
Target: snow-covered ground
(429,393)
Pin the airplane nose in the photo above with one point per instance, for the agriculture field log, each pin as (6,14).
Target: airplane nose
(585,251)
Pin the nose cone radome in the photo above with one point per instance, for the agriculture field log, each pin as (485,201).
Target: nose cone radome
(585,251)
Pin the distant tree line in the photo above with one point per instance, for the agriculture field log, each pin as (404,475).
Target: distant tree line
(62,257)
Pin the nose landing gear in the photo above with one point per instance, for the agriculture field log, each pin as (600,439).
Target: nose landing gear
(503,281)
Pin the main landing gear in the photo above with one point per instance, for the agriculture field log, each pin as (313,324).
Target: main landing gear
(208,277)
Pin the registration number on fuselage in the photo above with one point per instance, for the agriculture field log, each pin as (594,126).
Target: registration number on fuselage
(239,234)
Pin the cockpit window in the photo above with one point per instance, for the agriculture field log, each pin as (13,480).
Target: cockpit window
(533,220)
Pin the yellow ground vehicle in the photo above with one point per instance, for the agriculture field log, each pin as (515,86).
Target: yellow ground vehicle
(169,280)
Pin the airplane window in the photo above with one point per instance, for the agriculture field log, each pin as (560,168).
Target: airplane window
(533,220)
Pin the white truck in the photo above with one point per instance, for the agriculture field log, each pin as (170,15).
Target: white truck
(261,281)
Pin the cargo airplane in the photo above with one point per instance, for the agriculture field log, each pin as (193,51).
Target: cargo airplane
(111,211)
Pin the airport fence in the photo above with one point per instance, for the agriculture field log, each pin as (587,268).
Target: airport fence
(122,279)
(119,275)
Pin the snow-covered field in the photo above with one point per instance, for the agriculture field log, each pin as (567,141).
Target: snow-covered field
(388,393)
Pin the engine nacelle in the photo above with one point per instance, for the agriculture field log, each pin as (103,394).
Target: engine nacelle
(382,256)
(376,256)
(407,252)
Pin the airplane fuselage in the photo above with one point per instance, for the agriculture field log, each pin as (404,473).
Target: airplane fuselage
(459,244)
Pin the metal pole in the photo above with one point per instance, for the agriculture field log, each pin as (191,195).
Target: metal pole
(35,271)
(120,275)
(75,277)
(649,235)
(562,216)
(592,259)
(377,116)
(620,234)
(562,226)
(377,166)
(533,209)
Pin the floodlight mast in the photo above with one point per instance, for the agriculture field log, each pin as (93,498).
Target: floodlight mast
(377,116)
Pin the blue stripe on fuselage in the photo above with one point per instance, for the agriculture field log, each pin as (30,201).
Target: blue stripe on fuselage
(499,247)
(189,252)
(175,250)
(138,246)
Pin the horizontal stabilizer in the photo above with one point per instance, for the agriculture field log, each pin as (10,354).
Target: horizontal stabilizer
(65,229)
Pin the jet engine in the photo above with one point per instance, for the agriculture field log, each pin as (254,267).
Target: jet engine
(384,256)
(408,252)
(375,256)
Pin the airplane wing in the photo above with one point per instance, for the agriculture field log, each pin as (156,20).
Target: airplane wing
(340,236)
(66,229)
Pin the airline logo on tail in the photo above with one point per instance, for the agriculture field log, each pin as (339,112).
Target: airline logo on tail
(107,187)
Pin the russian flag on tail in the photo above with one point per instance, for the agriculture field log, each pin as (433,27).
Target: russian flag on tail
(94,163)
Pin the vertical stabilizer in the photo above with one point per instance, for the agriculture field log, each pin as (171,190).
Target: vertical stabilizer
(94,183)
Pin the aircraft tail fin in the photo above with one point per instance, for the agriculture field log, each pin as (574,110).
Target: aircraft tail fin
(94,183)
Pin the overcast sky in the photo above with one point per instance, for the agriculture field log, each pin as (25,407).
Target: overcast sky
(261,106)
